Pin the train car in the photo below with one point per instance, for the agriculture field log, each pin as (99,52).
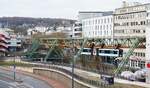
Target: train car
(88,51)
(110,52)
(103,52)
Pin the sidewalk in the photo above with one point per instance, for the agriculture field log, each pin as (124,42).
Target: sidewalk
(95,76)
(51,82)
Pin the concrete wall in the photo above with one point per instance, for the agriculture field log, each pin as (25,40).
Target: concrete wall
(62,77)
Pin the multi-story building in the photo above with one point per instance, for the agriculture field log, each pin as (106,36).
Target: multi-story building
(130,22)
(35,30)
(130,19)
(96,27)
(68,31)
(3,42)
(77,30)
(148,47)
(83,15)
(14,43)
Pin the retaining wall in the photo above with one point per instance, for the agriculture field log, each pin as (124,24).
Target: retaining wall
(62,77)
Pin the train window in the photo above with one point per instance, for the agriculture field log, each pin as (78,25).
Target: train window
(115,52)
(18,42)
(85,50)
(102,51)
(89,50)
(107,51)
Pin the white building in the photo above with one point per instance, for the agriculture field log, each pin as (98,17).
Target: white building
(130,19)
(97,27)
(36,29)
(148,47)
(77,30)
(68,31)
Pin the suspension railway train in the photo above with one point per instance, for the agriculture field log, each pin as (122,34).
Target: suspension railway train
(102,52)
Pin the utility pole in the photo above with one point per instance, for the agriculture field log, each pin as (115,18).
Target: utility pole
(73,62)
(14,67)
(75,58)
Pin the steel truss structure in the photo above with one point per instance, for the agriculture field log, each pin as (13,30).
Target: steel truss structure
(124,42)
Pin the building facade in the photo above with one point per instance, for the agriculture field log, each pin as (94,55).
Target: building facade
(3,42)
(130,19)
(98,27)
(77,30)
(84,16)
(148,47)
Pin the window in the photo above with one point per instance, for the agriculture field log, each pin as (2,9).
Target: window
(96,21)
(108,20)
(103,27)
(104,20)
(8,42)
(141,64)
(107,27)
(148,14)
(101,20)
(136,23)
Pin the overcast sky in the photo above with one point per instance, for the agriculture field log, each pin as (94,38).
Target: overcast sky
(56,8)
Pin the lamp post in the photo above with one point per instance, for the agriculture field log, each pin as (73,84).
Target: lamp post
(75,58)
(14,65)
(73,62)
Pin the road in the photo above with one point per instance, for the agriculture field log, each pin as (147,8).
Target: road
(23,81)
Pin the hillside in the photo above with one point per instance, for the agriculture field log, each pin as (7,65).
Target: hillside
(21,24)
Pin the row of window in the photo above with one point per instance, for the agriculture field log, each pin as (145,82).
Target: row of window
(129,31)
(136,64)
(13,43)
(131,16)
(98,33)
(78,29)
(97,21)
(98,27)
(139,54)
(132,9)
(131,23)
(78,25)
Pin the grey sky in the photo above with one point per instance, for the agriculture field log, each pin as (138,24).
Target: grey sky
(56,8)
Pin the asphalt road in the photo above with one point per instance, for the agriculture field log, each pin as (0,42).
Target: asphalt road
(23,81)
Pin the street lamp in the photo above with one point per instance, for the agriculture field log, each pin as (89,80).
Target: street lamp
(73,62)
(75,58)
(14,65)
